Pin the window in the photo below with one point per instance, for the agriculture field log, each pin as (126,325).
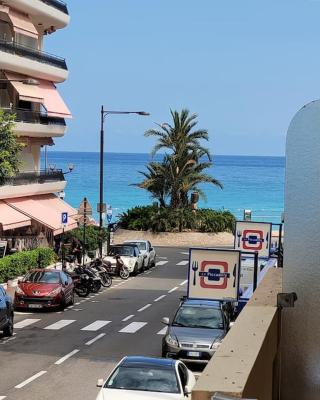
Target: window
(27,41)
(183,373)
(5,32)
(199,317)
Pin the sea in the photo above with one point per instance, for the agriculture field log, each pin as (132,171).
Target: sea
(255,183)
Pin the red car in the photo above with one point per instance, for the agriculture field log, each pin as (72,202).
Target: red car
(44,288)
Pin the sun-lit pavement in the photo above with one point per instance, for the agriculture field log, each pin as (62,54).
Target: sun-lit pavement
(62,354)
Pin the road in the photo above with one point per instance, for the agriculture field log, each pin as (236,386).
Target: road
(62,354)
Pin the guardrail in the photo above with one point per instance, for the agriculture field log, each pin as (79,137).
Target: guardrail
(27,178)
(32,54)
(34,117)
(60,5)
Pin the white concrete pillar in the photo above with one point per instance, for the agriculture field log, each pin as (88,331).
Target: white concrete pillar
(301,274)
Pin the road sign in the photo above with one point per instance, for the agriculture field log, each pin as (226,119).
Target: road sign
(213,274)
(85,208)
(64,218)
(109,214)
(253,236)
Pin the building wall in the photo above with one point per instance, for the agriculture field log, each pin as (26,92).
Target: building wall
(301,272)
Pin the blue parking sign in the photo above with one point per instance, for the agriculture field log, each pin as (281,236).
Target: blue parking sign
(64,218)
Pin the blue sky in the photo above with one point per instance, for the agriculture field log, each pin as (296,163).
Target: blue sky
(245,67)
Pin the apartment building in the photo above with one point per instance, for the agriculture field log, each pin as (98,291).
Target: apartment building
(30,202)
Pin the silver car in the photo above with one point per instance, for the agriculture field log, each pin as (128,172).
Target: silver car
(196,331)
(146,249)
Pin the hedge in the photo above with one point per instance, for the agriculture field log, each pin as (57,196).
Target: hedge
(20,263)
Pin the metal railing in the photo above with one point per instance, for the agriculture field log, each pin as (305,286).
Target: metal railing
(60,5)
(27,178)
(32,54)
(34,117)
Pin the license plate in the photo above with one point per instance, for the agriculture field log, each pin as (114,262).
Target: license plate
(35,305)
(193,353)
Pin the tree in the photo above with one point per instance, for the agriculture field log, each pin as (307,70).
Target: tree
(182,168)
(10,149)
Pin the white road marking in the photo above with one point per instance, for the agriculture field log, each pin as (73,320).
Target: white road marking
(32,378)
(127,318)
(162,257)
(144,307)
(76,304)
(63,359)
(184,262)
(184,252)
(94,340)
(163,331)
(147,273)
(159,263)
(95,326)
(160,297)
(60,324)
(184,282)
(133,327)
(22,313)
(25,322)
(173,289)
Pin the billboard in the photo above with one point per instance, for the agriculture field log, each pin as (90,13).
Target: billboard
(253,236)
(213,274)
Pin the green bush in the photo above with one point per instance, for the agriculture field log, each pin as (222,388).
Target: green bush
(20,263)
(92,236)
(177,220)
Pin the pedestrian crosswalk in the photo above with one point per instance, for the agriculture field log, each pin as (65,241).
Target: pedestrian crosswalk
(98,325)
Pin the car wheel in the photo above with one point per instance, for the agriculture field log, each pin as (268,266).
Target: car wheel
(8,330)
(72,299)
(135,270)
(63,303)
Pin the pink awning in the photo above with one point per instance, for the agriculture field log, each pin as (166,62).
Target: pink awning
(26,92)
(11,218)
(22,24)
(45,210)
(53,102)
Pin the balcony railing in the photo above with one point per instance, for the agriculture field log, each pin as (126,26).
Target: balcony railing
(28,178)
(34,117)
(32,54)
(60,5)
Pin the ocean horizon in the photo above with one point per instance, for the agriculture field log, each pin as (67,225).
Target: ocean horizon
(250,182)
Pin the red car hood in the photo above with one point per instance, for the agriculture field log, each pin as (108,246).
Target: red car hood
(41,289)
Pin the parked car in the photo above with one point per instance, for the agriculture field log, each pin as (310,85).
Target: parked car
(44,288)
(146,250)
(129,254)
(196,331)
(147,378)
(6,313)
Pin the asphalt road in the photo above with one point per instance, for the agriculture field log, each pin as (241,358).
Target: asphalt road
(60,355)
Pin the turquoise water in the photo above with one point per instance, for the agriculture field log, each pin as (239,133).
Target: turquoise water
(255,183)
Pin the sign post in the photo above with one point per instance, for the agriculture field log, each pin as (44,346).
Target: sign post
(85,210)
(64,223)
(213,274)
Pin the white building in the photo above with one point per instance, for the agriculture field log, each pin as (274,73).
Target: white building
(30,210)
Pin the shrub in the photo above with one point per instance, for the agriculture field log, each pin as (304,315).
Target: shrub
(20,263)
(92,236)
(172,220)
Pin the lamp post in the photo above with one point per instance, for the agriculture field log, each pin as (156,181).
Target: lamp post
(101,205)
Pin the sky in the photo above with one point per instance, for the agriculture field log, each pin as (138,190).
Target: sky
(245,67)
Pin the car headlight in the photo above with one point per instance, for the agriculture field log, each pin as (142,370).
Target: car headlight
(172,341)
(19,290)
(55,291)
(216,345)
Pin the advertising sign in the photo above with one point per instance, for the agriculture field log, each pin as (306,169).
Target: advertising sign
(253,236)
(213,274)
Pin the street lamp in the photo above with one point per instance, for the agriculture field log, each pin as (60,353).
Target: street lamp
(101,205)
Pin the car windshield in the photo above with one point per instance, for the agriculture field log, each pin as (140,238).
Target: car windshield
(42,277)
(199,317)
(141,245)
(145,378)
(122,251)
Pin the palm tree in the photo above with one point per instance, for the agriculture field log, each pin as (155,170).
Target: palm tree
(182,168)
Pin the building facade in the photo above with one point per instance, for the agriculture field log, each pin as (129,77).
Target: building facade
(30,205)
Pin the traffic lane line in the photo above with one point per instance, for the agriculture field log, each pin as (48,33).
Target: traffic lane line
(184,262)
(184,282)
(90,342)
(144,307)
(64,358)
(160,298)
(31,379)
(127,318)
(173,289)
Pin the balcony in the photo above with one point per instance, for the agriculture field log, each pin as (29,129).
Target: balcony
(59,5)
(28,61)
(32,183)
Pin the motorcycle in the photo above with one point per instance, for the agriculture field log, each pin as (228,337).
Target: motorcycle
(97,265)
(94,281)
(117,270)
